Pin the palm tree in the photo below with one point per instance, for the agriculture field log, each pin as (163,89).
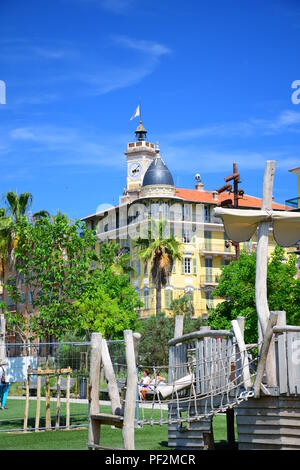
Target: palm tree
(40,214)
(16,208)
(18,205)
(6,224)
(162,252)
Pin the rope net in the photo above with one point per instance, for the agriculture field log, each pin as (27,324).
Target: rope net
(198,388)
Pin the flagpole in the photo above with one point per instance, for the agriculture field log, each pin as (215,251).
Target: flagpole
(140,103)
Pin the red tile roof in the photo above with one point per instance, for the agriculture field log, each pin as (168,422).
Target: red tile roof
(193,195)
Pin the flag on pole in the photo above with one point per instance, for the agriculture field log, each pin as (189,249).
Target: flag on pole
(136,113)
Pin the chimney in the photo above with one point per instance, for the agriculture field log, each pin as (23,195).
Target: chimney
(199,186)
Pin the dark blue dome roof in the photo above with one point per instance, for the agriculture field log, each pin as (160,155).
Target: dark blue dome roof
(158,173)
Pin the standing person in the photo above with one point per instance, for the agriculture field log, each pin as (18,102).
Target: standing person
(4,387)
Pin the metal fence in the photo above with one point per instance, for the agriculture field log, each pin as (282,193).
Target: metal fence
(75,355)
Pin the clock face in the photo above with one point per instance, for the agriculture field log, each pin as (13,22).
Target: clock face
(135,170)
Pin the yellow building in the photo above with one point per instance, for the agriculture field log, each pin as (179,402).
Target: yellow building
(150,193)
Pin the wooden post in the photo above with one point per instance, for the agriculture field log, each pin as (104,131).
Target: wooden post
(111,379)
(243,352)
(27,399)
(178,331)
(261,270)
(239,326)
(38,401)
(95,361)
(136,343)
(264,353)
(128,427)
(68,400)
(57,417)
(48,411)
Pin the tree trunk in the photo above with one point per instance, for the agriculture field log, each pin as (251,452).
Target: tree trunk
(158,293)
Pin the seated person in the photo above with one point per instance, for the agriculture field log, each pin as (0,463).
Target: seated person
(159,380)
(145,381)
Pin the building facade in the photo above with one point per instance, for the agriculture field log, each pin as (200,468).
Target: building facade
(150,193)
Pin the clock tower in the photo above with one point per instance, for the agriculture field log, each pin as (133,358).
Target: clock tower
(139,156)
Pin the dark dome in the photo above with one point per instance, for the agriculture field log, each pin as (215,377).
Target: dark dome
(158,173)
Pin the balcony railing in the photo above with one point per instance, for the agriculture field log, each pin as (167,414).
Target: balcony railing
(210,279)
(210,246)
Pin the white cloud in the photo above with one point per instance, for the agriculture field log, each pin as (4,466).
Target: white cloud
(286,121)
(154,49)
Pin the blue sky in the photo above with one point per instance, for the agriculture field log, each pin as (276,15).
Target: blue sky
(214,79)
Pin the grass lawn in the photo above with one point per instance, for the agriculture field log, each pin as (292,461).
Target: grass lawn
(146,438)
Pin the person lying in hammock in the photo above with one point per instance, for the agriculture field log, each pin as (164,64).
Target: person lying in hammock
(158,380)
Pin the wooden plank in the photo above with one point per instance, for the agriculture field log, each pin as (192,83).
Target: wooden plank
(48,371)
(171,364)
(196,368)
(291,369)
(129,411)
(111,420)
(201,366)
(38,403)
(269,421)
(296,358)
(224,363)
(95,361)
(282,363)
(229,359)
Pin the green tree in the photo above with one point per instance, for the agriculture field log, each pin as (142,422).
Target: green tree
(162,250)
(108,304)
(158,329)
(53,255)
(237,287)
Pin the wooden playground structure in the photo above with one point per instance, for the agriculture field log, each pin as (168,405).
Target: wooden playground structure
(209,371)
(48,373)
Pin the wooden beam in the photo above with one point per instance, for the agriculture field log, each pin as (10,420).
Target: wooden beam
(243,352)
(262,307)
(178,331)
(201,334)
(130,398)
(111,378)
(95,361)
(264,353)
